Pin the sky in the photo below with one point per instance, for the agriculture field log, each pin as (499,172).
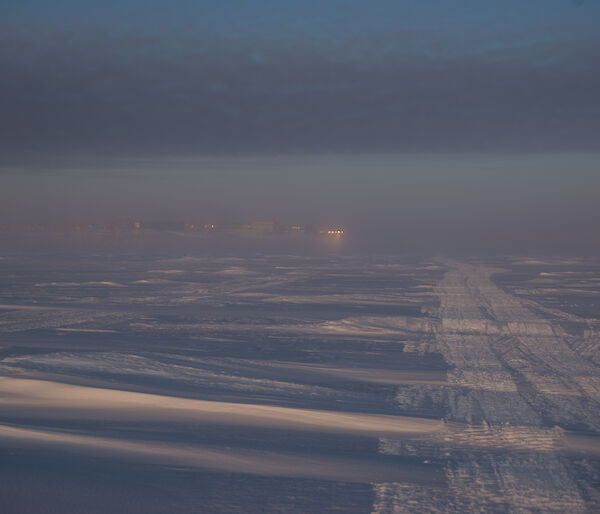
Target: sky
(339,109)
(270,76)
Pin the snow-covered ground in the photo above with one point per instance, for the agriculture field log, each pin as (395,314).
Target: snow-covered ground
(433,386)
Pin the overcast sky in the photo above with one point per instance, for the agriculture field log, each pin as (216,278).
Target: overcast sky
(313,75)
(252,108)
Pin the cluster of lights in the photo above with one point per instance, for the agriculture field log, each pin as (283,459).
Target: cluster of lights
(335,232)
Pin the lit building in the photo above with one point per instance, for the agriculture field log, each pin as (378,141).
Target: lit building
(333,232)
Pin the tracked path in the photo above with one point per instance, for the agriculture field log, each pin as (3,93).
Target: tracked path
(513,379)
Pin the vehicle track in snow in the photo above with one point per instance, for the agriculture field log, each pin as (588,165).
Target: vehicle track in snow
(514,381)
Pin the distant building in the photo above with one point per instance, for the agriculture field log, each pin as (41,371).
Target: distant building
(164,225)
(262,226)
(332,232)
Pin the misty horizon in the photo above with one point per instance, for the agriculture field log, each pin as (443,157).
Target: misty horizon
(497,202)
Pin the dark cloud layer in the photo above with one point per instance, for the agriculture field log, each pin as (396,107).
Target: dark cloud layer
(70,89)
